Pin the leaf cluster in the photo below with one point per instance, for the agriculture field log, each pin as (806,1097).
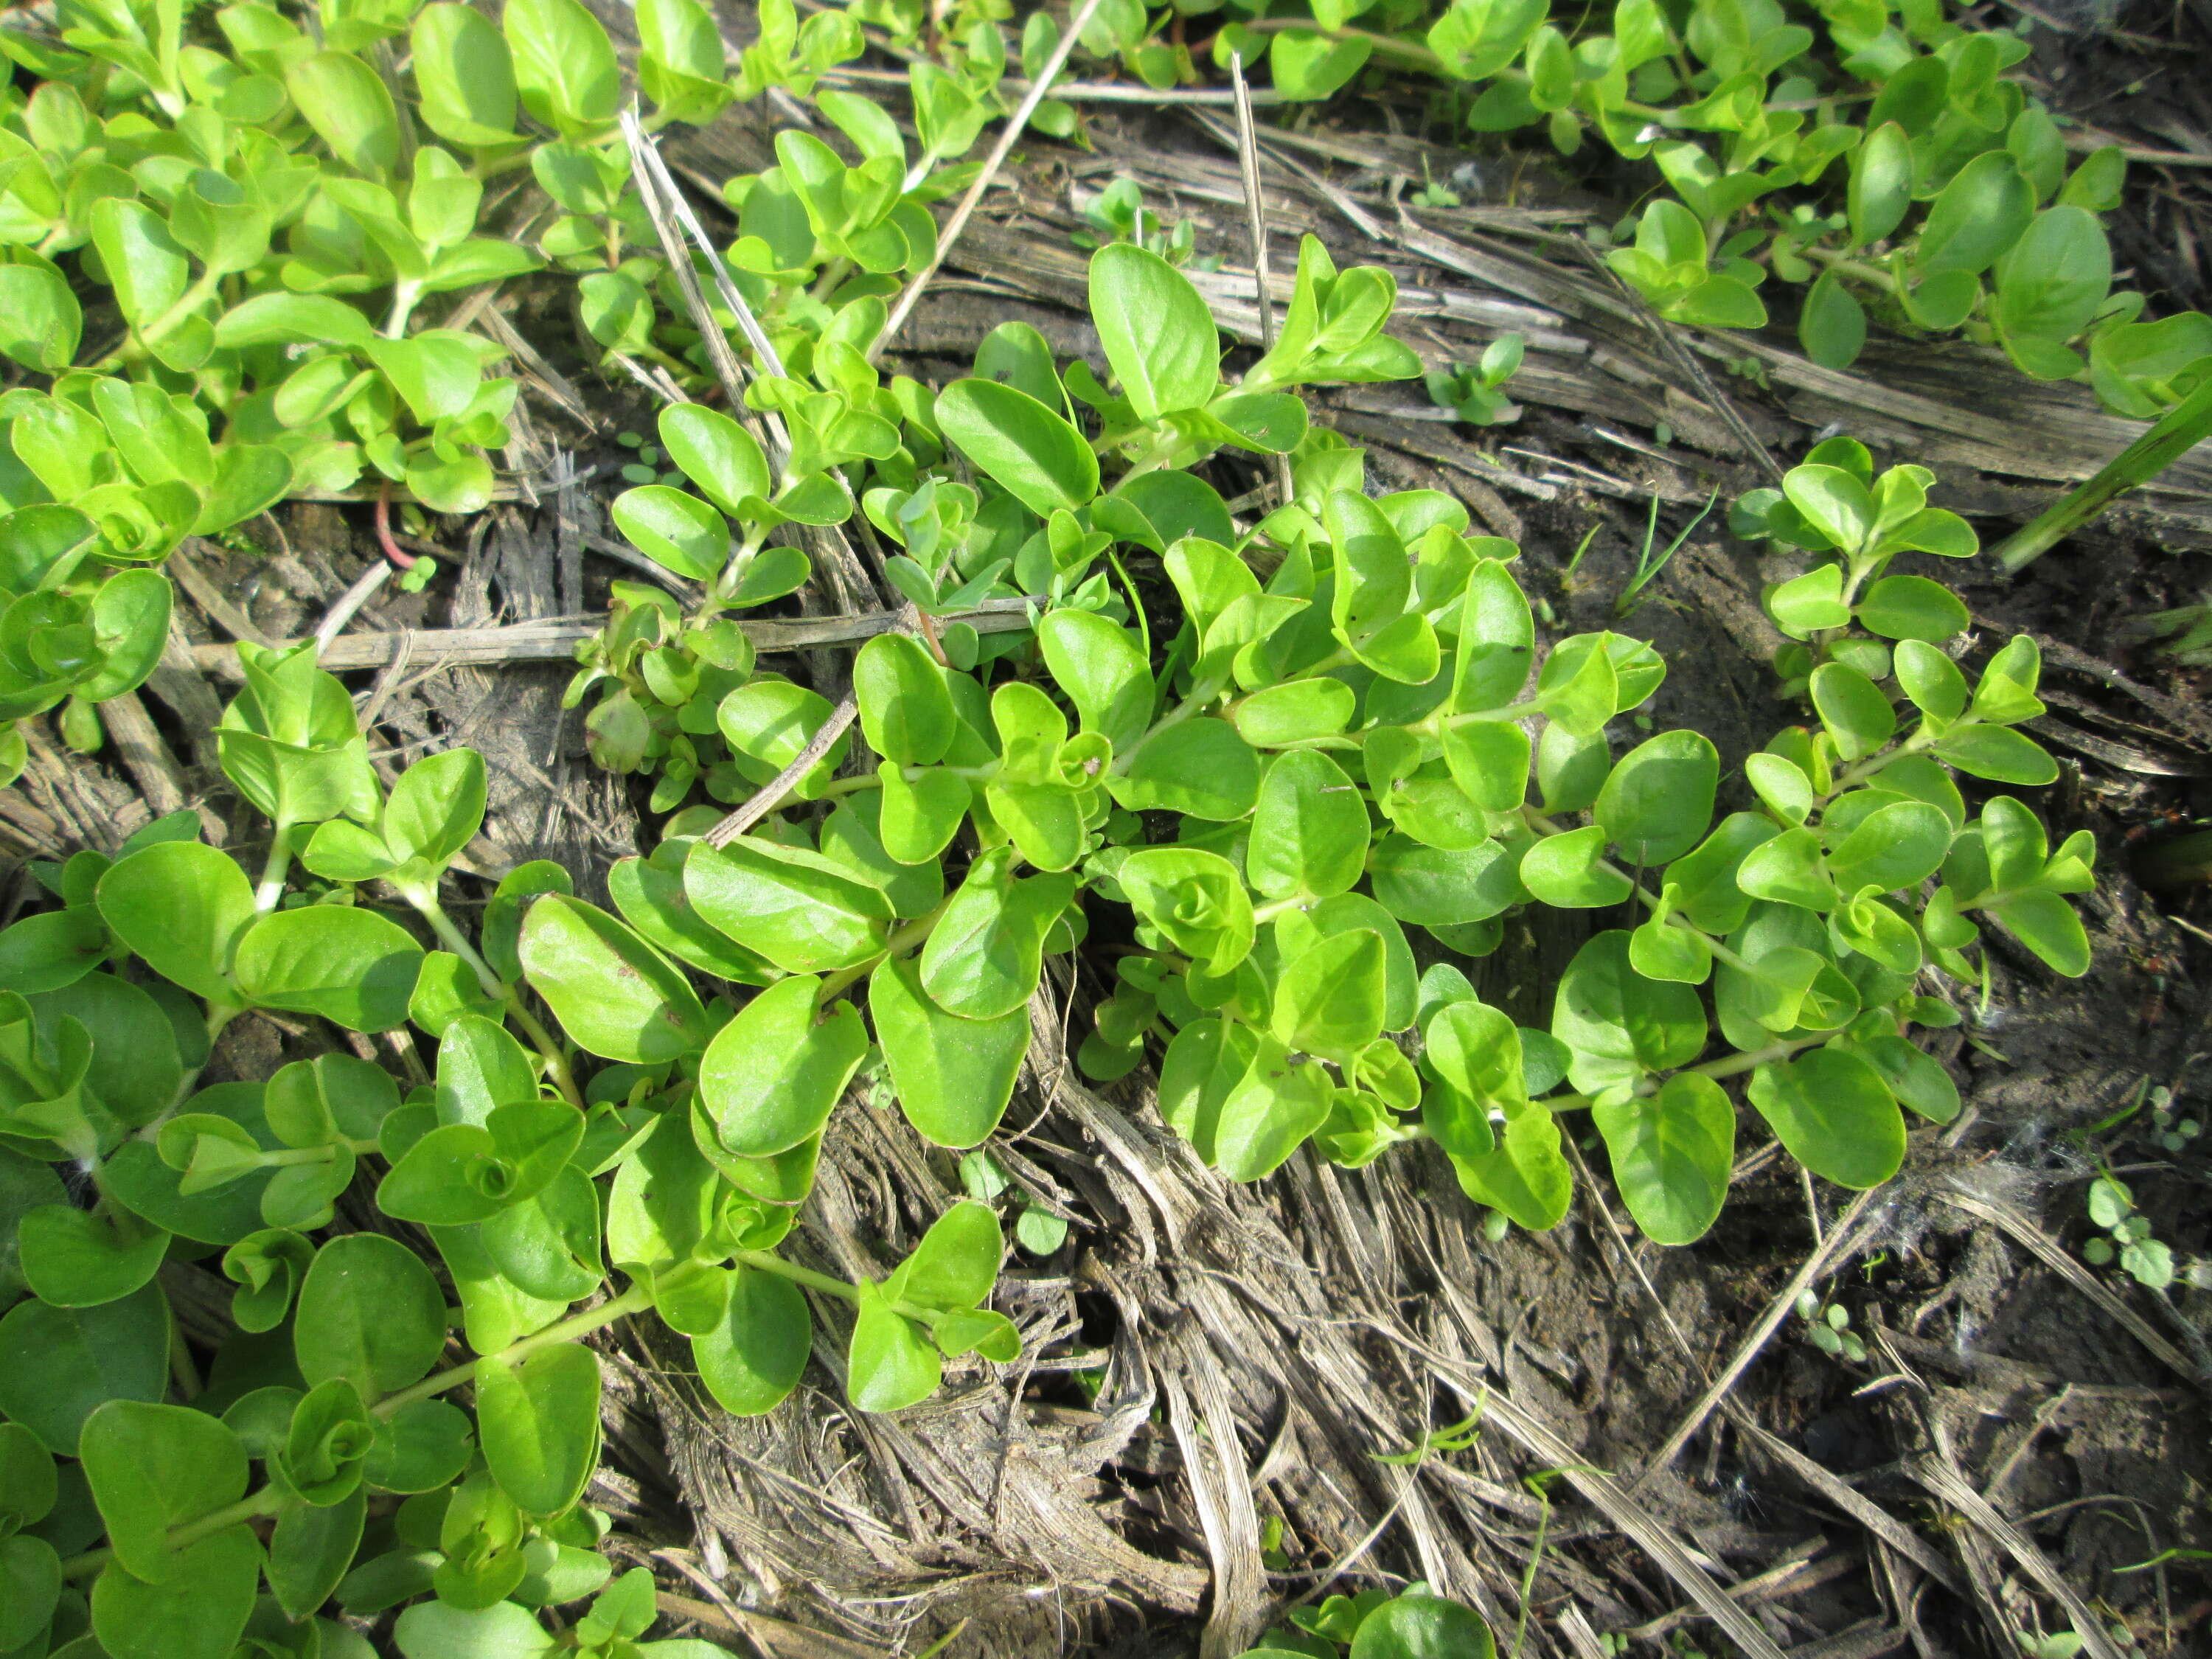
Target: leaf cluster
(322,1465)
(1876,155)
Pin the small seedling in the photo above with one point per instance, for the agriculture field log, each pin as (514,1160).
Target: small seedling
(1415,1623)
(1828,1327)
(1118,214)
(2128,1235)
(1471,392)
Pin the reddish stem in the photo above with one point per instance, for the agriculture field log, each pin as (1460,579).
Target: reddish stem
(391,550)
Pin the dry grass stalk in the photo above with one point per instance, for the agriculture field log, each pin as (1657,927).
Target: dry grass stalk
(948,237)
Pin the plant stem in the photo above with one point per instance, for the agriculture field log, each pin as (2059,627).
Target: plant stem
(403,296)
(274,869)
(548,1046)
(636,1299)
(268,1501)
(768,1262)
(896,945)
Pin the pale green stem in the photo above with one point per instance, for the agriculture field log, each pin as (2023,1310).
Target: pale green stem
(548,1046)
(404,295)
(768,1262)
(896,945)
(274,870)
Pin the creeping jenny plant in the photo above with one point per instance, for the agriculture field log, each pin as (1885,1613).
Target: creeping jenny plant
(1339,745)
(1324,748)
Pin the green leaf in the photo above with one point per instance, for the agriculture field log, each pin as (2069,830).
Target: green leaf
(460,1173)
(1718,302)
(57,1364)
(540,1424)
(772,1074)
(919,816)
(1196,898)
(1999,754)
(755,1356)
(1853,708)
(677,530)
(143,262)
(1102,669)
(463,77)
(803,911)
(613,993)
(664,1198)
(1497,641)
(351,966)
(40,320)
(1931,680)
(371,1312)
(2050,286)
(773,722)
(329,1435)
(434,1630)
(72,1258)
(1309,66)
(1833,326)
(984,956)
(954,1264)
(1205,1063)
(1158,509)
(1833,1114)
(1834,502)
(422,1446)
(437,806)
(1619,1026)
(310,1549)
(1911,608)
(481,1068)
(30,1588)
(2046,924)
(1416,1626)
(1916,1077)
(1525,1178)
(1474,1052)
(719,456)
(1156,332)
(906,709)
(28,1484)
(1671,1155)
(1569,870)
(1309,831)
(198,1613)
(1881,192)
(1976,217)
(1657,803)
(1279,716)
(1199,767)
(1329,1000)
(180,904)
(649,893)
(1269,1112)
(1896,845)
(1041,459)
(153,1468)
(565,68)
(954,1076)
(1805,604)
(892,1364)
(131,625)
(298,319)
(351,109)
